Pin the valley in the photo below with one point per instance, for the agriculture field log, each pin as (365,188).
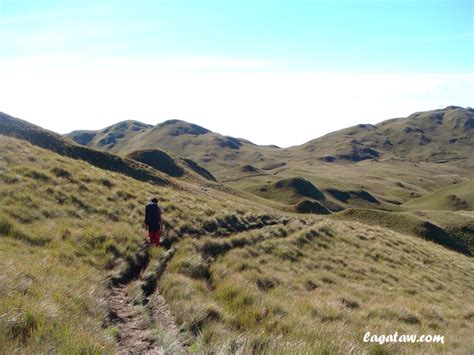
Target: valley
(266,249)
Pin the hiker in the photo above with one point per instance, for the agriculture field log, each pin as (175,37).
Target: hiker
(153,221)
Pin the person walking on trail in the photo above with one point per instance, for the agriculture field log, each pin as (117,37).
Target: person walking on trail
(153,222)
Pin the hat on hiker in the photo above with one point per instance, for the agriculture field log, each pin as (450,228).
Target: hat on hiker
(154,200)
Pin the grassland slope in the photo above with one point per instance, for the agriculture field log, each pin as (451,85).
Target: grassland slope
(15,127)
(457,236)
(438,135)
(455,197)
(170,164)
(66,226)
(242,278)
(394,161)
(213,151)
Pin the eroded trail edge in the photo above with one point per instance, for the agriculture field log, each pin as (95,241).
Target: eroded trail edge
(138,315)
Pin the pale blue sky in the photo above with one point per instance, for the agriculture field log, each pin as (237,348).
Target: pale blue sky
(233,65)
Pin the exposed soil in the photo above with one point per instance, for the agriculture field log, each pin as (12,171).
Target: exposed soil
(142,325)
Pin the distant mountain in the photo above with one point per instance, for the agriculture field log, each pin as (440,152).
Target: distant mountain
(170,164)
(394,182)
(373,166)
(211,150)
(455,197)
(439,135)
(109,136)
(14,127)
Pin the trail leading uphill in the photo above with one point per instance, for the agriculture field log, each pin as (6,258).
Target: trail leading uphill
(139,315)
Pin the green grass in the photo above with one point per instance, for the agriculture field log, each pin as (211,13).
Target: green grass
(243,277)
(455,197)
(318,287)
(453,235)
(407,167)
(289,191)
(65,226)
(172,165)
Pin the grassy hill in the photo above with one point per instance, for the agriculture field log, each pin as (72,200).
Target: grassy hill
(298,192)
(456,231)
(366,166)
(455,197)
(438,135)
(68,229)
(15,127)
(172,165)
(395,161)
(110,136)
(213,151)
(291,191)
(235,276)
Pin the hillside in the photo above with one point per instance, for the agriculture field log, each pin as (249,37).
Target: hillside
(455,197)
(233,275)
(436,136)
(15,127)
(111,136)
(77,228)
(169,164)
(454,231)
(213,151)
(367,166)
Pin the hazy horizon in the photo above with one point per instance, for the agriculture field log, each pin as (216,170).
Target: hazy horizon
(240,137)
(279,73)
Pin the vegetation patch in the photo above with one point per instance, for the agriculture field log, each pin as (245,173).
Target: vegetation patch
(308,206)
(406,223)
(159,160)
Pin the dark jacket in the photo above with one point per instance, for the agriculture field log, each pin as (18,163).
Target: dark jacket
(153,217)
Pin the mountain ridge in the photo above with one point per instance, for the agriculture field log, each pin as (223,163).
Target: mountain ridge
(55,142)
(403,137)
(78,277)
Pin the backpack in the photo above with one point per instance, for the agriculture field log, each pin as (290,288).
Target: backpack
(153,216)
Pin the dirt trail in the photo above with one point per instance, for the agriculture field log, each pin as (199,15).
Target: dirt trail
(144,325)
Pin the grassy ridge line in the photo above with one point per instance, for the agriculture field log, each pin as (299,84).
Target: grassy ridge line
(438,135)
(171,165)
(316,285)
(409,224)
(66,225)
(17,128)
(213,151)
(310,284)
(455,197)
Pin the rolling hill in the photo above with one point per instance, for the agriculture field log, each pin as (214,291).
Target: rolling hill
(15,127)
(438,135)
(233,275)
(213,151)
(172,165)
(455,197)
(394,161)
(435,136)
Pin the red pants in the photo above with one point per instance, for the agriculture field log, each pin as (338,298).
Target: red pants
(154,237)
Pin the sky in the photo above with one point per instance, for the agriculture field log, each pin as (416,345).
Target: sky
(272,71)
